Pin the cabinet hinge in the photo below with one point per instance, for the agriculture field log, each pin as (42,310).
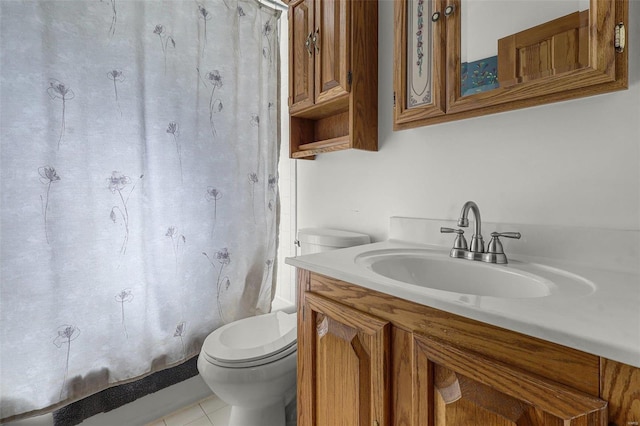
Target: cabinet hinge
(349,78)
(620,38)
(394,99)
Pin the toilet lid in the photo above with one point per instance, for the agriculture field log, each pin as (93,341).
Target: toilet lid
(269,336)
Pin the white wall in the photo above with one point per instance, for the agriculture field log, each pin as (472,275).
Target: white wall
(570,163)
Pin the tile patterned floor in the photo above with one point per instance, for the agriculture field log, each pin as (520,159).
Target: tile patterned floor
(208,412)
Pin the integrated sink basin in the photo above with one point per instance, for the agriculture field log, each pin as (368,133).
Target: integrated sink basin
(436,270)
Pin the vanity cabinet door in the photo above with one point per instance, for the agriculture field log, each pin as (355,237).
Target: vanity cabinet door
(458,387)
(620,386)
(343,359)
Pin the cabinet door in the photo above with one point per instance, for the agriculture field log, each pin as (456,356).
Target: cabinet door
(461,388)
(620,386)
(589,62)
(420,56)
(332,46)
(564,58)
(343,358)
(301,54)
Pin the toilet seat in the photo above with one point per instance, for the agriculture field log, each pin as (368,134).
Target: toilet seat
(252,341)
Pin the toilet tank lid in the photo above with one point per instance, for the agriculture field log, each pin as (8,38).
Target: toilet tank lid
(332,237)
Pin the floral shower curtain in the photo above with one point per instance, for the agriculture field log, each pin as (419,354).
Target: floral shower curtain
(138,187)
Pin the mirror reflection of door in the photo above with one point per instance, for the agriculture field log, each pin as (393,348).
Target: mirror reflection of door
(505,42)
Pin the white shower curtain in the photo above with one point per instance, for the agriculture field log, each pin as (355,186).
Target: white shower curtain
(138,187)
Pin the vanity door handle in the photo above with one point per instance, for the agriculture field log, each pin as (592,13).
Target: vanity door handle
(307,44)
(316,40)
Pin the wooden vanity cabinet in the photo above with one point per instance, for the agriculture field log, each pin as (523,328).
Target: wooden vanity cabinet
(366,358)
(566,58)
(345,362)
(620,386)
(333,76)
(465,388)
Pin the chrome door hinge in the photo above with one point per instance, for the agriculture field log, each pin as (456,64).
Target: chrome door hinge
(620,38)
(349,78)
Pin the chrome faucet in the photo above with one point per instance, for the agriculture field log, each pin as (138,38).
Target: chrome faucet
(495,251)
(477,244)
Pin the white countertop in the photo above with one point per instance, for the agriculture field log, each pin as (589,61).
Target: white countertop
(605,322)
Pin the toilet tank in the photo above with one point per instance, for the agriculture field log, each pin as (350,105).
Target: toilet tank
(318,240)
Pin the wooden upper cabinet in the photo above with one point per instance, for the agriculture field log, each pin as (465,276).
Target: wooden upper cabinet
(458,387)
(333,76)
(343,361)
(567,57)
(319,33)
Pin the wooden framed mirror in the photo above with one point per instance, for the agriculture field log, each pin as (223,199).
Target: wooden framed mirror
(442,72)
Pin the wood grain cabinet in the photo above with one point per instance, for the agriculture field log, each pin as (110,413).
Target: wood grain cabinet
(460,387)
(345,363)
(333,76)
(369,359)
(437,78)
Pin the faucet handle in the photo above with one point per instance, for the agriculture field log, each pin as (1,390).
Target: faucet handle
(460,242)
(515,235)
(446,230)
(495,246)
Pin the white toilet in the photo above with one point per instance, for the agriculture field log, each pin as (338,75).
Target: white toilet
(251,363)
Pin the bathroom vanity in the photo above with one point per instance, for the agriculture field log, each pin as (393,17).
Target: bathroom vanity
(372,351)
(365,358)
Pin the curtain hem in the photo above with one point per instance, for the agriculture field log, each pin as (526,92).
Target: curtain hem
(74,411)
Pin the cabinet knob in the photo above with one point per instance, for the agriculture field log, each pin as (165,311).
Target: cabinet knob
(435,16)
(449,10)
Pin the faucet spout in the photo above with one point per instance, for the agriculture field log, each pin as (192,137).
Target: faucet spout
(477,244)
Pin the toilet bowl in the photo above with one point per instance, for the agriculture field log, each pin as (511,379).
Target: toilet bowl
(251,363)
